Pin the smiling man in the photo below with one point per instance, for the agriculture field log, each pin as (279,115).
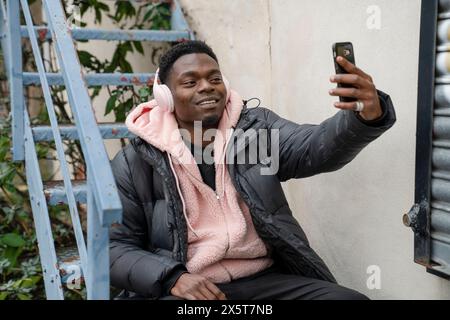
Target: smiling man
(221,229)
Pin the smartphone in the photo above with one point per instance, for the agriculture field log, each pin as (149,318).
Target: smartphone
(343,49)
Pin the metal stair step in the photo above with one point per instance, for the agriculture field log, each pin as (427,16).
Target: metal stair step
(69,132)
(69,265)
(114,35)
(56,194)
(93,79)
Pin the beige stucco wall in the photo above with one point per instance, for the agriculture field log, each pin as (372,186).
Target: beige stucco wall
(280,51)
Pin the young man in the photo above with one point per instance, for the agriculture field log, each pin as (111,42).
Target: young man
(218,228)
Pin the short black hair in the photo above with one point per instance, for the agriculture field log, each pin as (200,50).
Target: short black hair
(181,49)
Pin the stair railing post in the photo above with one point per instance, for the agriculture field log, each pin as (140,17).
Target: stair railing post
(14,48)
(98,250)
(46,243)
(4,34)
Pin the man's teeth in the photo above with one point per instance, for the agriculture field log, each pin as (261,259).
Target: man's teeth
(208,102)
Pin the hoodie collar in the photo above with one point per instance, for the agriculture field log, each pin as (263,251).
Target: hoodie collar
(160,128)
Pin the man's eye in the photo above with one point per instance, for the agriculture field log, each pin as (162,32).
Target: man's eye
(217,80)
(189,83)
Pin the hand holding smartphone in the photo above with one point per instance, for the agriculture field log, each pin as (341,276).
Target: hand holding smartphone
(356,89)
(345,50)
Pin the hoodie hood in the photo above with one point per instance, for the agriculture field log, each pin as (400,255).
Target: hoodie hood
(160,128)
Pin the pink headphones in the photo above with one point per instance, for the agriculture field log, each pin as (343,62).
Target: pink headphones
(164,97)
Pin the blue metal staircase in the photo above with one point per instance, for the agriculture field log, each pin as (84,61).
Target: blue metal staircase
(98,191)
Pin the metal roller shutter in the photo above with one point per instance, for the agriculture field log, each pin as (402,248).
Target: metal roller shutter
(430,216)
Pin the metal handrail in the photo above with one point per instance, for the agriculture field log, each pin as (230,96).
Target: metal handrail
(117,35)
(81,245)
(94,79)
(47,253)
(97,161)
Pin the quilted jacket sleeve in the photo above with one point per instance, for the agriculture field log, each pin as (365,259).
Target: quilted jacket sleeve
(307,149)
(132,267)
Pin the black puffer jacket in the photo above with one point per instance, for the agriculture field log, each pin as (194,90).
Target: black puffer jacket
(148,250)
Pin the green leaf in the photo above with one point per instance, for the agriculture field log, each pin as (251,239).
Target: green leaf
(27,283)
(4,147)
(144,93)
(138,47)
(16,284)
(85,58)
(84,7)
(103,6)
(42,150)
(119,58)
(96,91)
(4,265)
(12,253)
(8,210)
(110,104)
(3,295)
(159,14)
(124,9)
(98,15)
(126,47)
(35,279)
(12,240)
(128,105)
(126,67)
(148,15)
(6,173)
(10,187)
(165,11)
(122,110)
(22,296)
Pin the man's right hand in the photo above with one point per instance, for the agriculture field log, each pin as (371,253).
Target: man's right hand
(195,287)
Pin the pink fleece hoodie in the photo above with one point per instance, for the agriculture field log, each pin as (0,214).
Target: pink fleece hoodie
(223,244)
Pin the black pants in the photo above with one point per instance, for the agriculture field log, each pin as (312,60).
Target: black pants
(271,284)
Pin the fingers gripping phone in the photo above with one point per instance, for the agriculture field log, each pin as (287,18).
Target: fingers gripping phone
(345,50)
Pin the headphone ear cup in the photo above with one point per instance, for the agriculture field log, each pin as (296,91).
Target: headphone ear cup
(227,86)
(163,97)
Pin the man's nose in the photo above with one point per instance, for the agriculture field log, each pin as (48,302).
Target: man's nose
(205,86)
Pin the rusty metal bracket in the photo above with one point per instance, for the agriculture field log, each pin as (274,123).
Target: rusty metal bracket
(410,219)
